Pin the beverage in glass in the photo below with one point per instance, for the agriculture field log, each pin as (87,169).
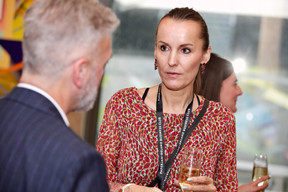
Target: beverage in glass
(190,166)
(260,167)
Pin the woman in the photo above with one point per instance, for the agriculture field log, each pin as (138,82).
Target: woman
(132,146)
(219,83)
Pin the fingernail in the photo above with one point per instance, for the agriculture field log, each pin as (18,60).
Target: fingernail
(184,187)
(189,179)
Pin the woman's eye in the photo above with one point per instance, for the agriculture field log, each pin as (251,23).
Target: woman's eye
(163,48)
(186,50)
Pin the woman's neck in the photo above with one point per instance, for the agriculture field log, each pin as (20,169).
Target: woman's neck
(176,101)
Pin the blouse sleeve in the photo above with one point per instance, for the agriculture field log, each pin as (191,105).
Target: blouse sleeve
(109,143)
(225,176)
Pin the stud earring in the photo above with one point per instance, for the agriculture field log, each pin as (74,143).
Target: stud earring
(155,64)
(203,68)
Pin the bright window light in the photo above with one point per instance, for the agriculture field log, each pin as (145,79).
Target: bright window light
(249,116)
(239,65)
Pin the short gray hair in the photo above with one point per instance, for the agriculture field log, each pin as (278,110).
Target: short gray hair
(57,32)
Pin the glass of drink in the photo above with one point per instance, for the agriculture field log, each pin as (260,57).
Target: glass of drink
(190,166)
(260,167)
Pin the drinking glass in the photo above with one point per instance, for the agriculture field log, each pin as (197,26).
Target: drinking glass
(190,166)
(260,167)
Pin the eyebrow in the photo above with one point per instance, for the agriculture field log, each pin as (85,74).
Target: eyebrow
(187,44)
(182,45)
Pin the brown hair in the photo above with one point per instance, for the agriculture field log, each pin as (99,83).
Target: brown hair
(190,14)
(217,70)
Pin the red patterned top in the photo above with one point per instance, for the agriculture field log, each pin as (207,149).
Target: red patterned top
(128,142)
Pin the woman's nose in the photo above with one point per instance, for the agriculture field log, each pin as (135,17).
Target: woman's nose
(172,58)
(240,92)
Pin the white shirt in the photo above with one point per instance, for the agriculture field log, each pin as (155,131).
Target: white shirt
(40,91)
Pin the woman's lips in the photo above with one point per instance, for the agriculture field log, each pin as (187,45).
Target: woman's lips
(172,74)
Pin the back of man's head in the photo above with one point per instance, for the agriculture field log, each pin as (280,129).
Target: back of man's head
(58,32)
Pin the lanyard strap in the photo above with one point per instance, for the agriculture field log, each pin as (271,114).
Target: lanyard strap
(164,170)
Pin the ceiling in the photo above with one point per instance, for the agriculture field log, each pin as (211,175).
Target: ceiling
(267,8)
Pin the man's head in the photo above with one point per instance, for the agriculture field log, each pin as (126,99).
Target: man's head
(68,35)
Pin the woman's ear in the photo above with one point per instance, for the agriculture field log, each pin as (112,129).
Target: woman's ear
(206,55)
(155,52)
(80,72)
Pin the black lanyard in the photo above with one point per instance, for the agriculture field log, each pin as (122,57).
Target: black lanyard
(164,169)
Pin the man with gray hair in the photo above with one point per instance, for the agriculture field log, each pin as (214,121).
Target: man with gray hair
(66,45)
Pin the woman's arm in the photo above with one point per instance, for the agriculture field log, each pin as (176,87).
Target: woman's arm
(109,144)
(225,176)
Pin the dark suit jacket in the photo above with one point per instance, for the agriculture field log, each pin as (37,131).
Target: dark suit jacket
(38,152)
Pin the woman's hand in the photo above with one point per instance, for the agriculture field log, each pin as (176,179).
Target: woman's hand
(204,183)
(139,188)
(253,186)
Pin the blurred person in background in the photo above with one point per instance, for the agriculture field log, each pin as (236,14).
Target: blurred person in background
(219,83)
(66,45)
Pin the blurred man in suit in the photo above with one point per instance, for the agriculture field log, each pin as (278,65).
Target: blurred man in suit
(66,46)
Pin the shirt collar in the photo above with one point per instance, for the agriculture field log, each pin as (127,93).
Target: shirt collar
(45,94)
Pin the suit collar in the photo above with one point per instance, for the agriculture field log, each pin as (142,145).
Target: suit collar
(45,94)
(35,100)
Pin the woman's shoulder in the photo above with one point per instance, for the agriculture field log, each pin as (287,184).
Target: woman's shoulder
(132,92)
(125,92)
(125,95)
(122,97)
(220,115)
(218,109)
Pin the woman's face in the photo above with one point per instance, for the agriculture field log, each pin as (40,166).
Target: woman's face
(229,92)
(179,52)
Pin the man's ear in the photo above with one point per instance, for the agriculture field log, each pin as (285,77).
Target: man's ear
(206,55)
(80,72)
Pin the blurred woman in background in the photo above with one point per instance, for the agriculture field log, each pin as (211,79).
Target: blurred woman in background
(219,83)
